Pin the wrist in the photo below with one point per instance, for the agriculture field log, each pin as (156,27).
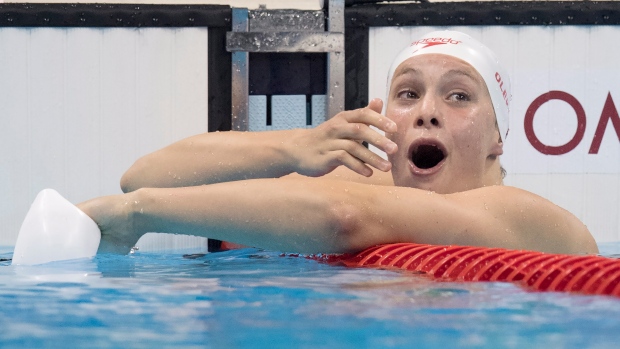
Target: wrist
(290,149)
(134,208)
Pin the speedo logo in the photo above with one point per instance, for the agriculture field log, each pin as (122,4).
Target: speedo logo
(428,42)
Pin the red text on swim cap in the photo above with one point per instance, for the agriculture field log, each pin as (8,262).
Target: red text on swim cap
(435,41)
(500,82)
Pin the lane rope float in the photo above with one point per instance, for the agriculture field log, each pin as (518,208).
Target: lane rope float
(536,270)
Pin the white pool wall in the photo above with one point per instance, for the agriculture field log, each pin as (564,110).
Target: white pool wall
(80,105)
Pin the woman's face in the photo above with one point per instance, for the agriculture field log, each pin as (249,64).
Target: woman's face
(447,136)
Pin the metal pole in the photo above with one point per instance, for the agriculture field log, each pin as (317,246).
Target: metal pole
(240,75)
(335,62)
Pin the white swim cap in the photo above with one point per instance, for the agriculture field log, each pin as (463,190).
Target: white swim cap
(466,48)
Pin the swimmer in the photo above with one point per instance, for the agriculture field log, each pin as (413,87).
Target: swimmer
(321,190)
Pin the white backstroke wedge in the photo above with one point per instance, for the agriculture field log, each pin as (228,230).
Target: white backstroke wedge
(54,230)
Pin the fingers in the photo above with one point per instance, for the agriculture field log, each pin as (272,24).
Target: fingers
(376,105)
(357,158)
(353,163)
(361,132)
(371,116)
(338,141)
(357,126)
(363,154)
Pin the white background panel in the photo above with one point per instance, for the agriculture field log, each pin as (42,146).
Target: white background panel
(79,106)
(117,134)
(82,113)
(14,133)
(578,60)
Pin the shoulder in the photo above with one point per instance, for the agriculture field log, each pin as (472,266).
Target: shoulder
(536,222)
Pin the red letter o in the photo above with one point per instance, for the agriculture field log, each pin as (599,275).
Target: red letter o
(529,123)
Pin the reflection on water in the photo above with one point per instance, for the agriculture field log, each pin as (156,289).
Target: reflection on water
(254,298)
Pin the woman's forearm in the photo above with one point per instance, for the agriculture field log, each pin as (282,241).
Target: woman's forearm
(230,156)
(212,158)
(277,214)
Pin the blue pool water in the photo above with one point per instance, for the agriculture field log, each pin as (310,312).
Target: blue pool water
(258,299)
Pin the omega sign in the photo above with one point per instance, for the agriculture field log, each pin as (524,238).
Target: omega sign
(609,114)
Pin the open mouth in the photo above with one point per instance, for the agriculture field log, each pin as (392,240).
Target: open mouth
(427,156)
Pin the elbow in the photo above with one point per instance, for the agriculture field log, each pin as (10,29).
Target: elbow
(131,179)
(348,225)
(128,183)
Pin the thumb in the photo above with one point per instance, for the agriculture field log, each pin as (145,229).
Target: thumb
(376,105)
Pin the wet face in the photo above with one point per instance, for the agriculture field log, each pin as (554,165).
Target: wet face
(447,138)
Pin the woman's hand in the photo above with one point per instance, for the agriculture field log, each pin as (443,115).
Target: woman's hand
(114,216)
(338,141)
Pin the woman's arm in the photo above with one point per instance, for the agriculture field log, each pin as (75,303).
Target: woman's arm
(317,215)
(230,156)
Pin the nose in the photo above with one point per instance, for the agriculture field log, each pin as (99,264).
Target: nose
(428,115)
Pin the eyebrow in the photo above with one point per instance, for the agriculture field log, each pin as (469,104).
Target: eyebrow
(405,71)
(450,73)
(459,72)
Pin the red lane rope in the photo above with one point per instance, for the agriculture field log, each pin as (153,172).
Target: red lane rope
(536,270)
